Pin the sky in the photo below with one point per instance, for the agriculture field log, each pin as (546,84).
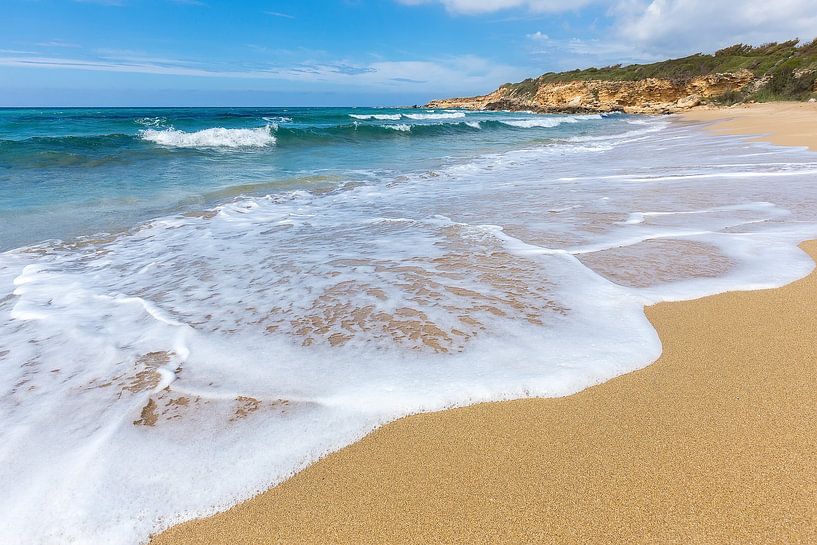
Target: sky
(348,52)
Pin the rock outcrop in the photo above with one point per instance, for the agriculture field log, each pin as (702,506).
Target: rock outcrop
(649,95)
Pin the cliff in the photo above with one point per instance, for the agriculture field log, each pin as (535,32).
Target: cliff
(739,73)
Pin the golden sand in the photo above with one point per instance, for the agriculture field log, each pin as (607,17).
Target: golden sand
(714,443)
(781,123)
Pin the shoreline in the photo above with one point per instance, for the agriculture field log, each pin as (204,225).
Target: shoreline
(714,442)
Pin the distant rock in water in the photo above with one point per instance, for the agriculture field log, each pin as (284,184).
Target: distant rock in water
(776,71)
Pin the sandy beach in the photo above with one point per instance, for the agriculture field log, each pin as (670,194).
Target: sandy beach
(716,442)
(781,123)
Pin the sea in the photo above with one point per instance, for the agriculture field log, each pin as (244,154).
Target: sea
(195,304)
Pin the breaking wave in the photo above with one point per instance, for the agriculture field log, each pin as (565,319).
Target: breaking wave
(548,122)
(416,117)
(403,127)
(453,115)
(217,137)
(381,117)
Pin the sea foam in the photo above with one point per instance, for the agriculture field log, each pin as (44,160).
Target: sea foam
(211,138)
(432,116)
(403,127)
(549,121)
(428,116)
(382,117)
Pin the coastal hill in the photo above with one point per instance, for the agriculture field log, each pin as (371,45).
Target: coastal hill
(740,73)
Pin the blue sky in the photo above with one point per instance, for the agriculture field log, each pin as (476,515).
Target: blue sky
(347,52)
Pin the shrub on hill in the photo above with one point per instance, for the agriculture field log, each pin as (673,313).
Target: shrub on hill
(786,70)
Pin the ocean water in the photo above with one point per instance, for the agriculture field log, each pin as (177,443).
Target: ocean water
(67,173)
(196,303)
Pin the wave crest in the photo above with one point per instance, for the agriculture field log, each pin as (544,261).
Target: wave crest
(548,122)
(216,137)
(453,115)
(277,119)
(382,117)
(151,121)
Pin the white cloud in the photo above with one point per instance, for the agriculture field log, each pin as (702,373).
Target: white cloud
(466,72)
(568,54)
(455,74)
(473,7)
(280,14)
(57,43)
(678,26)
(539,37)
(644,30)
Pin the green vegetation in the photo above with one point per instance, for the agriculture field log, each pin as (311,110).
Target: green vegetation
(785,71)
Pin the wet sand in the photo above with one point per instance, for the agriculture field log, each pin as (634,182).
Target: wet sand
(716,442)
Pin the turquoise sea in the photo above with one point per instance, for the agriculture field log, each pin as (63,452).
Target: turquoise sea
(197,303)
(74,172)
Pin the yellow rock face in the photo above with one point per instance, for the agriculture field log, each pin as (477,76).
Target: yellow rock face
(649,95)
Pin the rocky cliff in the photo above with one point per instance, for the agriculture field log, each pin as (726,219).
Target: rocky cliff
(649,95)
(773,71)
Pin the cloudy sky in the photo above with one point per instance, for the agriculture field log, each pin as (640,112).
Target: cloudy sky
(348,52)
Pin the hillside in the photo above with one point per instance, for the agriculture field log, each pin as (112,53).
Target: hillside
(775,71)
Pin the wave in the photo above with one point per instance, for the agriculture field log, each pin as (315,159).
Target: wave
(548,122)
(277,119)
(416,117)
(70,151)
(382,117)
(151,121)
(452,115)
(156,134)
(403,127)
(44,151)
(356,131)
(217,137)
